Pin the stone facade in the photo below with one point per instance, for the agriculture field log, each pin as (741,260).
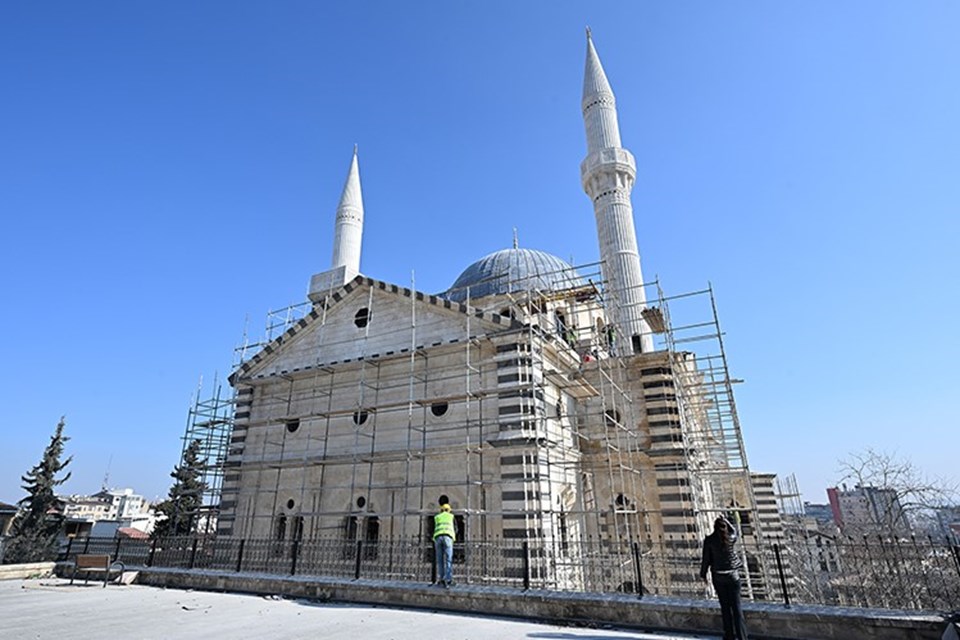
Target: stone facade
(543,411)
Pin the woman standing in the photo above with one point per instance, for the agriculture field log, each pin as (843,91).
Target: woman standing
(720,556)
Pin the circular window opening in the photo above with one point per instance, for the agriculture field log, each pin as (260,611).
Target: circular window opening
(443,500)
(361,502)
(621,501)
(293,425)
(290,503)
(439,408)
(359,417)
(362,318)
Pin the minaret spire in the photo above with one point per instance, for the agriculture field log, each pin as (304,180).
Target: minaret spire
(347,235)
(608,173)
(348,231)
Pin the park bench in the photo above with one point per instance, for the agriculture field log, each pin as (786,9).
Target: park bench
(94,563)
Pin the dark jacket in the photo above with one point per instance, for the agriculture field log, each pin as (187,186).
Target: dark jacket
(718,556)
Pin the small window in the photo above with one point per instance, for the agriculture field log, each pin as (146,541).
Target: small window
(361,502)
(559,407)
(280,532)
(371,538)
(293,425)
(362,318)
(612,417)
(439,408)
(359,417)
(298,528)
(290,503)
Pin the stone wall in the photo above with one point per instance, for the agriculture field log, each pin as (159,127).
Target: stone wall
(675,614)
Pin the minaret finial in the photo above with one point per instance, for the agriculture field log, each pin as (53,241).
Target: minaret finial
(516,242)
(589,33)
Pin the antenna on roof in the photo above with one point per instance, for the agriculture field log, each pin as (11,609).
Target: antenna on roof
(106,475)
(516,242)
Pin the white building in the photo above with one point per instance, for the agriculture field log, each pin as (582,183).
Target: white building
(547,403)
(102,513)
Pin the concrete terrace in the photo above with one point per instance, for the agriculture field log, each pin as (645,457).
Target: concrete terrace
(51,608)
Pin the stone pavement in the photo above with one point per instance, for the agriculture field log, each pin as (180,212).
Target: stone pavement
(53,609)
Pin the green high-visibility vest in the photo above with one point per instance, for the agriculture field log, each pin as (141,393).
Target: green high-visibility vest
(443,525)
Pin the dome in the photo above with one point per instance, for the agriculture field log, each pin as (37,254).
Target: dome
(514,270)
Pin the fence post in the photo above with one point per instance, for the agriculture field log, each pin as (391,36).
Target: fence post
(193,553)
(433,564)
(294,552)
(86,544)
(69,545)
(356,568)
(153,552)
(636,564)
(526,565)
(240,555)
(783,579)
(116,550)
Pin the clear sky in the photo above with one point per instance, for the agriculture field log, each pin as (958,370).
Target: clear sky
(169,172)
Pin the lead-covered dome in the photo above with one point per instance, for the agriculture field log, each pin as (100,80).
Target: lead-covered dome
(512,270)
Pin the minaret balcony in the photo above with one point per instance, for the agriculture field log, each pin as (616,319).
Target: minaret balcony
(612,158)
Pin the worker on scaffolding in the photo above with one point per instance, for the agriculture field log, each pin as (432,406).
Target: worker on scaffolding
(444,535)
(611,337)
(570,336)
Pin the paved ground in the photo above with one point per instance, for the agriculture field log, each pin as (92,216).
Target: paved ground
(53,609)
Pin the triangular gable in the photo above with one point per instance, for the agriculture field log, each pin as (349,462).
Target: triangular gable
(318,341)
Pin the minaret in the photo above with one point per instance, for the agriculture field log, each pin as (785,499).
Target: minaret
(349,226)
(608,173)
(347,236)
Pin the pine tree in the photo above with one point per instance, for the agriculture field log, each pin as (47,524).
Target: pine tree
(185,497)
(37,525)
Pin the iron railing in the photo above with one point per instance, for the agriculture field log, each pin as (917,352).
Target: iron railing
(916,573)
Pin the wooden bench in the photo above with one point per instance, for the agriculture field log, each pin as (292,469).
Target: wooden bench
(91,563)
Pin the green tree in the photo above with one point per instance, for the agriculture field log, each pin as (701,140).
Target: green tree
(185,497)
(37,525)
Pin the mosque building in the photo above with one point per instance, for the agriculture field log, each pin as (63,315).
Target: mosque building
(550,403)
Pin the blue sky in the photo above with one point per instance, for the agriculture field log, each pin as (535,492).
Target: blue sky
(169,173)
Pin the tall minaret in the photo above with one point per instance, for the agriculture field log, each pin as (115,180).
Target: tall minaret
(608,173)
(347,235)
(349,227)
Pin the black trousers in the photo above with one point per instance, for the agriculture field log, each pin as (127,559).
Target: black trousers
(727,586)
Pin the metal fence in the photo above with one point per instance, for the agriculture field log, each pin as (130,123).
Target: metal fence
(912,574)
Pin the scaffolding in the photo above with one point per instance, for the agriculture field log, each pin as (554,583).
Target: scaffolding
(209,423)
(532,420)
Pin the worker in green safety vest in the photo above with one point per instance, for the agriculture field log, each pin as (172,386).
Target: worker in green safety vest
(444,535)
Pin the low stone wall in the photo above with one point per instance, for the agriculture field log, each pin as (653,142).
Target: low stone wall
(675,614)
(26,570)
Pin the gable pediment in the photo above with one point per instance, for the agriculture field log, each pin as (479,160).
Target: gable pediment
(368,319)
